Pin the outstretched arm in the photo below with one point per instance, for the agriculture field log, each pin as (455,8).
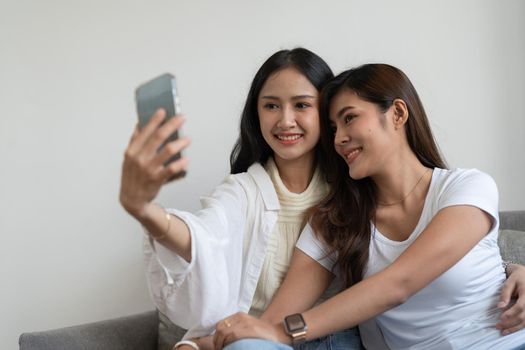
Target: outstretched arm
(143,175)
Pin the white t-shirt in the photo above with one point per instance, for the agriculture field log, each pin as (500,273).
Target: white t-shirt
(458,309)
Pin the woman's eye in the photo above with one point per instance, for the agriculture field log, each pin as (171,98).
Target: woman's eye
(348,118)
(270,106)
(302,105)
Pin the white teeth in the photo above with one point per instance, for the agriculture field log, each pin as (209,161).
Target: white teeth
(288,138)
(353,153)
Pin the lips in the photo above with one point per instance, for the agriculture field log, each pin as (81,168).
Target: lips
(352,154)
(288,139)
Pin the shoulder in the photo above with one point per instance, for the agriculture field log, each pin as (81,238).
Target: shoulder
(255,184)
(233,186)
(464,187)
(252,179)
(247,178)
(315,248)
(460,178)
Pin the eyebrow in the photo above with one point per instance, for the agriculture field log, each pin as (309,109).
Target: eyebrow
(343,111)
(298,97)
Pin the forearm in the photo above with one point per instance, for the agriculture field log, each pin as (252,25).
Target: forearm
(435,251)
(361,302)
(355,305)
(171,232)
(305,282)
(345,310)
(276,312)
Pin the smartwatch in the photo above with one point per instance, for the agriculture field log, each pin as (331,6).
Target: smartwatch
(296,328)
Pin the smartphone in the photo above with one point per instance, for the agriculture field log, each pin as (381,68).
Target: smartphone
(160,92)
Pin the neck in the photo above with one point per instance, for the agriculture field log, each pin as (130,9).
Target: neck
(296,174)
(405,181)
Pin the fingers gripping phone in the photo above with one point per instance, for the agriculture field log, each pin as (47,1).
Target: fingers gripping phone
(160,92)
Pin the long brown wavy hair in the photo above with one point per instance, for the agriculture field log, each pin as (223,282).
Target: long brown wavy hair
(343,219)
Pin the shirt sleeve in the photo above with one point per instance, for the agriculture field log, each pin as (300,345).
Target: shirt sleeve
(316,249)
(195,295)
(471,187)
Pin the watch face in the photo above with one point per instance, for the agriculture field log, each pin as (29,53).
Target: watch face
(295,322)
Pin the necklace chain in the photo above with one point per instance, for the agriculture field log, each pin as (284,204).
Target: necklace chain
(408,194)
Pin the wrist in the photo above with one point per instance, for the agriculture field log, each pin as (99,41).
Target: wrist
(186,344)
(281,335)
(508,266)
(205,343)
(138,211)
(146,212)
(295,328)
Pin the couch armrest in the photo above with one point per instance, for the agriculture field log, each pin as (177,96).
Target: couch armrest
(132,332)
(512,236)
(512,220)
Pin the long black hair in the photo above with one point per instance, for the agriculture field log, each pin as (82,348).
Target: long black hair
(251,146)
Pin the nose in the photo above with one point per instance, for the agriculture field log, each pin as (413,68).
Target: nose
(341,138)
(287,118)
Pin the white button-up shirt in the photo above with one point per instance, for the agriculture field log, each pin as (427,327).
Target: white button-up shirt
(229,237)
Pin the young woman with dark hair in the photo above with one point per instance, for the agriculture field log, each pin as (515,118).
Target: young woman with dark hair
(251,146)
(233,254)
(414,242)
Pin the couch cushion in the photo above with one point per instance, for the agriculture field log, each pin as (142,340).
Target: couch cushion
(169,333)
(132,332)
(512,245)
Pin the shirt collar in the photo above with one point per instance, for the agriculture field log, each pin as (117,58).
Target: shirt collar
(265,185)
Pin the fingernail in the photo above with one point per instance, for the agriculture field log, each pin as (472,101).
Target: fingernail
(501,304)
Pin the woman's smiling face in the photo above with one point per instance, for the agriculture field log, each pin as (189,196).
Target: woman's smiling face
(289,115)
(363,133)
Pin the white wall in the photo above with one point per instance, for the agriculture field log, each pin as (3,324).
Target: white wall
(69,254)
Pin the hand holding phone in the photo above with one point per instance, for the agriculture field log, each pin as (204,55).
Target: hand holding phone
(159,93)
(148,162)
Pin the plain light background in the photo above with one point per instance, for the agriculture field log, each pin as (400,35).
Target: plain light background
(69,254)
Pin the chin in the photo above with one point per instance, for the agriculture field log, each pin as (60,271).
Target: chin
(293,154)
(288,156)
(356,174)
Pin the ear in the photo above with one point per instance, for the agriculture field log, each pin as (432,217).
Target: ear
(400,113)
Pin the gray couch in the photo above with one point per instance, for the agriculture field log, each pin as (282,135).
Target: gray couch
(141,332)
